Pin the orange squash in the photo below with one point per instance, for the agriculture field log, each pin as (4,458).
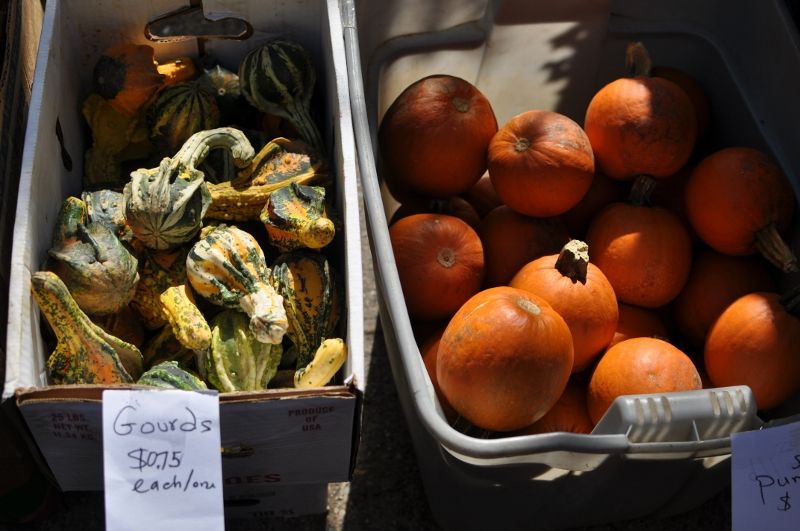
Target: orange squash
(482,196)
(541,163)
(569,414)
(640,365)
(504,359)
(645,252)
(740,202)
(511,240)
(641,125)
(754,342)
(434,135)
(579,292)
(439,261)
(127,75)
(638,322)
(697,95)
(451,206)
(715,281)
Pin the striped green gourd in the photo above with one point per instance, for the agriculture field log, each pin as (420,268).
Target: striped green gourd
(278,78)
(169,375)
(238,361)
(228,268)
(178,112)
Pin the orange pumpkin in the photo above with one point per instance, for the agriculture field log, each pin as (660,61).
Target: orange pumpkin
(638,322)
(602,192)
(511,240)
(433,137)
(482,196)
(430,351)
(451,206)
(541,163)
(645,252)
(640,365)
(569,414)
(739,202)
(697,95)
(579,292)
(641,125)
(439,261)
(504,359)
(715,281)
(754,342)
(127,75)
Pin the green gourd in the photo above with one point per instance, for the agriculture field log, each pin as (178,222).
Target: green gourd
(178,112)
(169,375)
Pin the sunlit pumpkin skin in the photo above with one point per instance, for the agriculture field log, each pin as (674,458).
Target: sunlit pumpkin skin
(640,125)
(541,163)
(433,138)
(504,359)
(451,206)
(569,414)
(439,261)
(482,196)
(740,202)
(602,192)
(429,351)
(715,281)
(754,342)
(511,240)
(697,94)
(127,75)
(635,321)
(645,252)
(579,292)
(640,365)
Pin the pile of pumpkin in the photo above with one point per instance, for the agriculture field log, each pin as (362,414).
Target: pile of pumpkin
(619,257)
(191,258)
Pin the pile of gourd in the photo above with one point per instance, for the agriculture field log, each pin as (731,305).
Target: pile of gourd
(158,274)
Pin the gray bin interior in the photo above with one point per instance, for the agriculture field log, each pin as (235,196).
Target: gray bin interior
(555,55)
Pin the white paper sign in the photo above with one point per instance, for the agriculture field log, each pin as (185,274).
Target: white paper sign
(765,481)
(162,461)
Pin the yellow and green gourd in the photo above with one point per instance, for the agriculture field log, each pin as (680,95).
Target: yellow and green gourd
(85,353)
(278,78)
(295,218)
(228,268)
(158,270)
(178,112)
(169,375)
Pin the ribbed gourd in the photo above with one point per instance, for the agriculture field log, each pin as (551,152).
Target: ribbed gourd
(85,353)
(278,78)
(312,298)
(228,268)
(165,206)
(178,112)
(278,163)
(169,375)
(238,361)
(295,218)
(107,207)
(99,271)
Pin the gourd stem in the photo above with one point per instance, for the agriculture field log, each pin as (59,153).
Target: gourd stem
(791,300)
(99,251)
(199,145)
(573,261)
(637,60)
(769,243)
(641,190)
(301,120)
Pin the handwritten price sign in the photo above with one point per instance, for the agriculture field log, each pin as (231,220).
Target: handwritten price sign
(161,460)
(765,488)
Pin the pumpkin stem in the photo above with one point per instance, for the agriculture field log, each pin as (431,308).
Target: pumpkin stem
(637,60)
(573,261)
(791,300)
(772,247)
(641,190)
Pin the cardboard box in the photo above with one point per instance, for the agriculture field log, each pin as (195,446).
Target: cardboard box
(280,437)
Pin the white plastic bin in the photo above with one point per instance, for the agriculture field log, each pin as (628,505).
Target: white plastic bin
(651,455)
